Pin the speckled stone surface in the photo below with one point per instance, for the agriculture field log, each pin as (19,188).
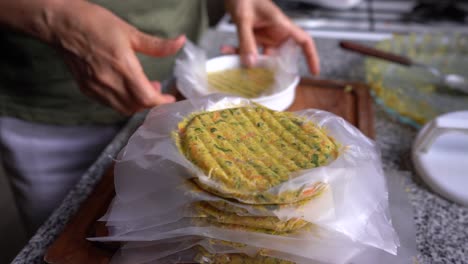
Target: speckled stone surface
(442,226)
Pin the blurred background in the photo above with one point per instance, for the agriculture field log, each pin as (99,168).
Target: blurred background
(373,19)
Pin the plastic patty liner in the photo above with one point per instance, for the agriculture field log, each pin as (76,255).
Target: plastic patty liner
(204,250)
(311,209)
(151,178)
(313,243)
(181,250)
(271,223)
(202,204)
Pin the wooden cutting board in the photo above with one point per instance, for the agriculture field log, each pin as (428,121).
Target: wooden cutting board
(349,100)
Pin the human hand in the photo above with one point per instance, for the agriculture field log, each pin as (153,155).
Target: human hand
(261,23)
(99,49)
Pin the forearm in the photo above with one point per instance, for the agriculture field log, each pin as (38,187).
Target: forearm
(32,17)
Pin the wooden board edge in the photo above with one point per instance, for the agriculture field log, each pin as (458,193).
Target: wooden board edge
(365,109)
(79,223)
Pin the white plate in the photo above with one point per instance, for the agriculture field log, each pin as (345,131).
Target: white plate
(440,155)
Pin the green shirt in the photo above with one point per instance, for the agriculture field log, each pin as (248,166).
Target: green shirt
(36,85)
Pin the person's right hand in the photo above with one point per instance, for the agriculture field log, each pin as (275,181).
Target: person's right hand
(99,49)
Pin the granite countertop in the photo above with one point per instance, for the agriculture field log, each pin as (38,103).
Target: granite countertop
(441,226)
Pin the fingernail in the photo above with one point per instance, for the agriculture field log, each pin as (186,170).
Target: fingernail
(250,60)
(156,85)
(169,98)
(224,49)
(180,38)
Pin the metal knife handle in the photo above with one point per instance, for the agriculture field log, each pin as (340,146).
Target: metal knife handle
(366,50)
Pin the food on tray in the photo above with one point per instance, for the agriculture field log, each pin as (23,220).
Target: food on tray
(271,223)
(246,82)
(247,151)
(206,257)
(267,183)
(240,209)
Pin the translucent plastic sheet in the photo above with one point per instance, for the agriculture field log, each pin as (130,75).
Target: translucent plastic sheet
(184,249)
(312,211)
(191,73)
(401,213)
(312,243)
(202,250)
(153,199)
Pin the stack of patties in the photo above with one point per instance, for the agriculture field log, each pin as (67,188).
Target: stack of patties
(246,156)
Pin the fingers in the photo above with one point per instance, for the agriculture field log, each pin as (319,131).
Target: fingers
(103,87)
(247,44)
(268,50)
(308,47)
(147,94)
(131,102)
(227,49)
(154,46)
(156,85)
(105,96)
(126,90)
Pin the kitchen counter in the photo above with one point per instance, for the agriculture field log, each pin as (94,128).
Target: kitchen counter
(442,226)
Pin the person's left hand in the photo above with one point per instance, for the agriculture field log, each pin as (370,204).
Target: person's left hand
(261,23)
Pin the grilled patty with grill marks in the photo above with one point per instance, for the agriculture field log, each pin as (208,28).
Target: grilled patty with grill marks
(246,151)
(270,223)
